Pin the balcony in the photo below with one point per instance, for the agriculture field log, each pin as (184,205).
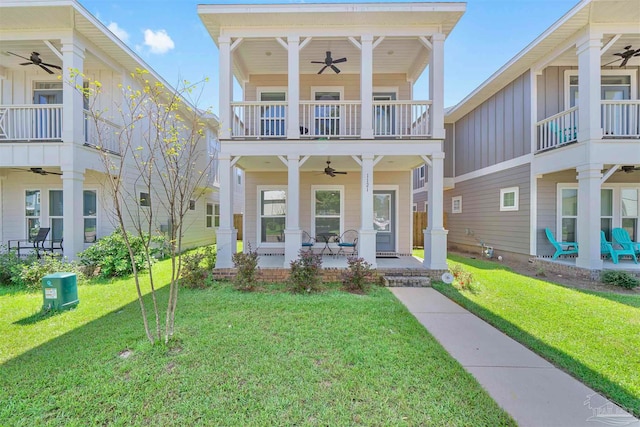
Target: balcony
(330,119)
(43,123)
(619,120)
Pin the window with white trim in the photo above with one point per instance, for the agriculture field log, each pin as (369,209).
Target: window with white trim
(630,211)
(208,216)
(456,204)
(327,210)
(56,214)
(568,214)
(509,199)
(32,212)
(606,212)
(273,213)
(90,215)
(273,113)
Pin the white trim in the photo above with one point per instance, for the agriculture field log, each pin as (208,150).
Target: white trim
(632,73)
(559,216)
(396,189)
(24,209)
(315,89)
(386,89)
(315,188)
(426,206)
(259,190)
(271,89)
(96,216)
(503,191)
(518,161)
(455,199)
(415,207)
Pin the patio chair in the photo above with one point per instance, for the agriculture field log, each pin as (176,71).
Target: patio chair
(568,134)
(622,238)
(37,244)
(348,240)
(307,240)
(606,248)
(562,248)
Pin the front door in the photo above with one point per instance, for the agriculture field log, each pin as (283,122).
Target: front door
(384,220)
(48,123)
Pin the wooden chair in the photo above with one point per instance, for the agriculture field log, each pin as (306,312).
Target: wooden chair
(37,244)
(607,248)
(348,239)
(562,248)
(622,238)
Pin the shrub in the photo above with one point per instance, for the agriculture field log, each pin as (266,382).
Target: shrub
(193,273)
(305,272)
(210,257)
(463,279)
(620,278)
(247,265)
(109,256)
(358,275)
(11,265)
(31,273)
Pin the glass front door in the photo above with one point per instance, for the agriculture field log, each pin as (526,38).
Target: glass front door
(327,116)
(384,115)
(384,220)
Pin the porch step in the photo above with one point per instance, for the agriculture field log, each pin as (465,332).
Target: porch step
(407,281)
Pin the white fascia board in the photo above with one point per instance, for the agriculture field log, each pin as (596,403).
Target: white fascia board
(518,161)
(337,148)
(330,8)
(328,31)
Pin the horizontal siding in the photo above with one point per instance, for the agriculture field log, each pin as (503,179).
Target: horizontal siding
(496,131)
(506,231)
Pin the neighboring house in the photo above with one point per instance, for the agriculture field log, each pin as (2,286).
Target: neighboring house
(529,153)
(51,174)
(308,116)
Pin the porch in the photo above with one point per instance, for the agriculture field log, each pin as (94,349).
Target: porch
(385,263)
(567,266)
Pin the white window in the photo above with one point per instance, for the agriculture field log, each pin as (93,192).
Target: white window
(216,215)
(426,206)
(32,212)
(192,205)
(509,198)
(272,202)
(327,210)
(606,212)
(614,85)
(56,214)
(90,214)
(327,112)
(568,205)
(456,204)
(630,212)
(208,216)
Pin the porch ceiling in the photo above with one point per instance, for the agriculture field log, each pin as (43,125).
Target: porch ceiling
(318,163)
(25,47)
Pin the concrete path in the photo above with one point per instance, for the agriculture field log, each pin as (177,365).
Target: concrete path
(529,388)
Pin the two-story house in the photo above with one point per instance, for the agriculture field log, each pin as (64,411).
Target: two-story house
(51,174)
(328,130)
(552,140)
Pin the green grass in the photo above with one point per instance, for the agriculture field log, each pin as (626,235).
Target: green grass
(239,359)
(594,336)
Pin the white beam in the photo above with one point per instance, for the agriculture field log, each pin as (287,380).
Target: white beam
(610,43)
(304,43)
(282,43)
(53,49)
(236,43)
(323,31)
(377,160)
(303,160)
(355,42)
(608,174)
(235,160)
(377,42)
(357,160)
(283,160)
(426,159)
(425,41)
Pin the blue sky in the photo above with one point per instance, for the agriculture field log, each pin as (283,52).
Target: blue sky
(170,37)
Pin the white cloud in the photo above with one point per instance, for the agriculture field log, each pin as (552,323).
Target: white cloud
(119,32)
(158,41)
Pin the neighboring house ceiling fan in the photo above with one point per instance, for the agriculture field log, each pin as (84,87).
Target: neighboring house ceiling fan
(331,171)
(629,169)
(626,55)
(39,171)
(328,62)
(34,59)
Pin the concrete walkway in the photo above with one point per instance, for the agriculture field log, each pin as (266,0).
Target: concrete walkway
(530,389)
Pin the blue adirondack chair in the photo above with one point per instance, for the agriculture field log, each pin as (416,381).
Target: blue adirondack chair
(606,248)
(622,238)
(562,248)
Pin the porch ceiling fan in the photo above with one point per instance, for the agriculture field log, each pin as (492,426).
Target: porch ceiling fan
(331,171)
(328,62)
(626,55)
(39,171)
(629,168)
(35,59)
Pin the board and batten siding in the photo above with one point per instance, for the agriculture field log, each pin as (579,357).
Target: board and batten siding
(351,183)
(497,130)
(481,215)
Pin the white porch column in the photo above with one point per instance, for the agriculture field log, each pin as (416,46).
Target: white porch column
(292,232)
(226,235)
(589,125)
(366,234)
(366,87)
(435,236)
(588,222)
(293,95)
(72,101)
(72,222)
(225,92)
(436,85)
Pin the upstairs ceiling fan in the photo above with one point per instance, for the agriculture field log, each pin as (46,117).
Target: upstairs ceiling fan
(35,59)
(629,168)
(626,55)
(331,171)
(39,171)
(328,62)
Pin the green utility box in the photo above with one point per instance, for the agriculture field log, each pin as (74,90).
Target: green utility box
(60,291)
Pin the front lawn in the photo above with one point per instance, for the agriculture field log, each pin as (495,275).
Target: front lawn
(240,359)
(593,336)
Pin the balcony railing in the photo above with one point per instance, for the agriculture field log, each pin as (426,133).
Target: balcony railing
(559,129)
(31,122)
(621,119)
(330,119)
(101,133)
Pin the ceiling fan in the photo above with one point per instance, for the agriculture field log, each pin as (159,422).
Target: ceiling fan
(328,62)
(331,171)
(626,55)
(629,168)
(39,171)
(34,59)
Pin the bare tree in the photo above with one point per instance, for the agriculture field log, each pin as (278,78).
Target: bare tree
(160,148)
